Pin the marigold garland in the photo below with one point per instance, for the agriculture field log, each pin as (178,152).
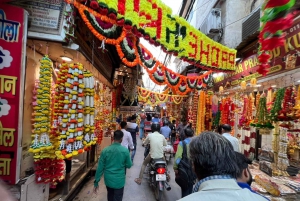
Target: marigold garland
(151,19)
(154,98)
(42,113)
(201,113)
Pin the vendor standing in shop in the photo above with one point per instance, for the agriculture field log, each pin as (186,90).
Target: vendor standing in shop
(226,129)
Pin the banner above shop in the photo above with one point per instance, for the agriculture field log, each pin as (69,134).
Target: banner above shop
(283,58)
(12,47)
(154,21)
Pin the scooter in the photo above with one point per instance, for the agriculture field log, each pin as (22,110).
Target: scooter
(168,152)
(158,177)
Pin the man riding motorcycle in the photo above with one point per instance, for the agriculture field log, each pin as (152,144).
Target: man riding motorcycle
(157,142)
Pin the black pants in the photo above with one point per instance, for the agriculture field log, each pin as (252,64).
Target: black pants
(187,191)
(114,194)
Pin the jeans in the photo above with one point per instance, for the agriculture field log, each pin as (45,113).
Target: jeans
(187,191)
(114,194)
(173,140)
(141,132)
(133,151)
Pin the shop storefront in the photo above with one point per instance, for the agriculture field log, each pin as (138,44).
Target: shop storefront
(60,94)
(263,113)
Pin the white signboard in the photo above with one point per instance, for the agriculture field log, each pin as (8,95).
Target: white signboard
(44,14)
(46,18)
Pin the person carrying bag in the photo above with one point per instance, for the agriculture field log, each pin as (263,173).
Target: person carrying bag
(184,175)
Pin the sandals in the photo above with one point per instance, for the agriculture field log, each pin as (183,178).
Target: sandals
(138,181)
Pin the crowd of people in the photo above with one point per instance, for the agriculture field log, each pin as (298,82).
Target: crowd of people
(207,167)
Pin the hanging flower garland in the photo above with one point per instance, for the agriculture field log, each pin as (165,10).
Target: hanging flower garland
(154,98)
(274,20)
(201,113)
(89,109)
(41,144)
(208,111)
(138,20)
(277,104)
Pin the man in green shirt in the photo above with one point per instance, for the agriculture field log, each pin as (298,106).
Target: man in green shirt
(113,162)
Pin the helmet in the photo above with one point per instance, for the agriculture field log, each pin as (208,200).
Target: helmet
(155,127)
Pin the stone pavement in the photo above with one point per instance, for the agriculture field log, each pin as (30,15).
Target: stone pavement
(132,191)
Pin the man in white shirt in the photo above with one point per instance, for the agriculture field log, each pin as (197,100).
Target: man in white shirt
(214,163)
(157,142)
(127,139)
(226,129)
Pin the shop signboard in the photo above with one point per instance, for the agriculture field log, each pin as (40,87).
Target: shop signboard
(13,29)
(46,19)
(283,59)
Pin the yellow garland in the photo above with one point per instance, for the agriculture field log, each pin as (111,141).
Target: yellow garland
(153,17)
(41,145)
(201,113)
(144,94)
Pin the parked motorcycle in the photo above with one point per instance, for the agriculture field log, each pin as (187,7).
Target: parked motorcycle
(157,172)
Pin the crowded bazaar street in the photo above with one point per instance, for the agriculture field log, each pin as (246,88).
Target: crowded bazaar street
(149,100)
(132,191)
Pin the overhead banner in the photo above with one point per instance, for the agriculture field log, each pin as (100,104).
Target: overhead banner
(154,21)
(283,58)
(12,54)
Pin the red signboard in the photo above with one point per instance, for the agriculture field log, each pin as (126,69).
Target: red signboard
(283,58)
(11,60)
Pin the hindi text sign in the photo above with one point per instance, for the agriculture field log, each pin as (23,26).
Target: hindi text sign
(11,46)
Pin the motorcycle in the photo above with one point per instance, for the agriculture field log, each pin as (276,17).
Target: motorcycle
(157,172)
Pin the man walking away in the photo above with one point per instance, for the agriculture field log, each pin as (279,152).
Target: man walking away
(127,139)
(173,131)
(186,184)
(165,130)
(133,128)
(183,125)
(113,162)
(226,129)
(214,162)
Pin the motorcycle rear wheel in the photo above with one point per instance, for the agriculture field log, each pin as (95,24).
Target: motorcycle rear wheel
(158,193)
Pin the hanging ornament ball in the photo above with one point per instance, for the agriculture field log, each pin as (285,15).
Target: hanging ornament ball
(253,82)
(221,89)
(243,85)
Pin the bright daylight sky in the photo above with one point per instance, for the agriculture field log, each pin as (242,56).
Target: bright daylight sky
(175,5)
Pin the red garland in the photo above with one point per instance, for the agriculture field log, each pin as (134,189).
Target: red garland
(276,3)
(94,4)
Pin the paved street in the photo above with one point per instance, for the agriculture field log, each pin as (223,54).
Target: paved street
(132,191)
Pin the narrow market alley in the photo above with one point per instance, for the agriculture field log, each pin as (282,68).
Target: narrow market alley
(132,191)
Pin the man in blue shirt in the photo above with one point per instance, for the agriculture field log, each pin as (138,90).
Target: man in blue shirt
(244,177)
(155,119)
(165,130)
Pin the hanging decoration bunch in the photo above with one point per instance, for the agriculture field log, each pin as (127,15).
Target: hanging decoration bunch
(89,110)
(261,119)
(208,111)
(72,114)
(227,108)
(297,104)
(287,112)
(200,126)
(269,99)
(154,98)
(274,20)
(47,168)
(277,104)
(41,144)
(244,117)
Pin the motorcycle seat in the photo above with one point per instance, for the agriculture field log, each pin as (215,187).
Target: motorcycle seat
(159,161)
